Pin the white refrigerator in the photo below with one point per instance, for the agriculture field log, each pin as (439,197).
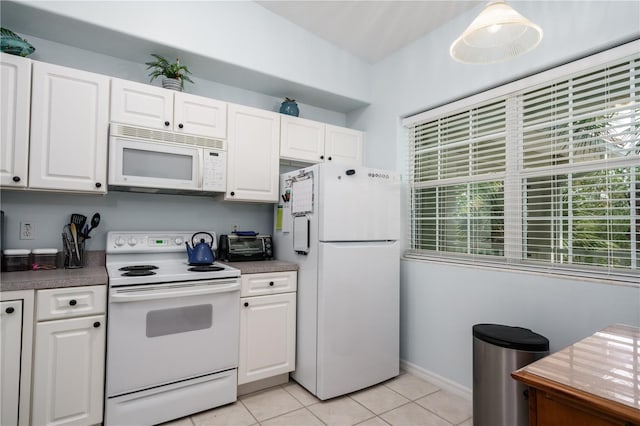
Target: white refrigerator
(341,225)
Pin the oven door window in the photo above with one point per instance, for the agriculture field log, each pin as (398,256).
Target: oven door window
(163,322)
(136,163)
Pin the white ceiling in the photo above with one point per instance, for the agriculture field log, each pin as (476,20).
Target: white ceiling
(369,29)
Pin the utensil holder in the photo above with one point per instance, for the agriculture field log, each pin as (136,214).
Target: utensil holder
(73,260)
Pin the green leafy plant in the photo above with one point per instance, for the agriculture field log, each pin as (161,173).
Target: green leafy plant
(162,67)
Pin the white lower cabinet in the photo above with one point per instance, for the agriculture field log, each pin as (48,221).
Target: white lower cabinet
(267,326)
(69,359)
(16,327)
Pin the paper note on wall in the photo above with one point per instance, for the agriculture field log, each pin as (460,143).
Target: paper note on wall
(279,218)
(302,197)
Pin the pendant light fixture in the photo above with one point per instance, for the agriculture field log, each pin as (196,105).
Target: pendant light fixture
(497,34)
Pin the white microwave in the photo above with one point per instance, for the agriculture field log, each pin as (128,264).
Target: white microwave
(149,160)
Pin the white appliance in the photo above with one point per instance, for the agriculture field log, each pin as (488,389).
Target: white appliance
(173,332)
(341,226)
(150,160)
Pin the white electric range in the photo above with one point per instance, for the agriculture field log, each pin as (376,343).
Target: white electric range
(173,330)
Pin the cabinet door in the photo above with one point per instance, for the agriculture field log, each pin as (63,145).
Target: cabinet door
(301,139)
(141,105)
(68,371)
(11,337)
(15,95)
(253,155)
(267,336)
(200,116)
(69,126)
(344,146)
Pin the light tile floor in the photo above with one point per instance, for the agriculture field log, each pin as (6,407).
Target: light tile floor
(403,401)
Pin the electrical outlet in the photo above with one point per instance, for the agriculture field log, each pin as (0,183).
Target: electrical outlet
(27,231)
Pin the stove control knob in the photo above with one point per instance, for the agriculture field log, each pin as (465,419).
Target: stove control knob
(119,241)
(178,241)
(132,241)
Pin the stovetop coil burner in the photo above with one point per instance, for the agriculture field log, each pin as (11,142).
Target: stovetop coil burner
(205,268)
(138,273)
(138,268)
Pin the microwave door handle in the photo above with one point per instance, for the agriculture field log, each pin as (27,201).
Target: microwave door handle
(166,293)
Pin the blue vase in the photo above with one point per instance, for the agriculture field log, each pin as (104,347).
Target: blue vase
(289,108)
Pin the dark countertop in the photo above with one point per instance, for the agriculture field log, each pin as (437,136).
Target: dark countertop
(96,274)
(54,278)
(263,266)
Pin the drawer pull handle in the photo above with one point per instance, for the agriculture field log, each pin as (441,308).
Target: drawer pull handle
(10,310)
(73,302)
(246,304)
(96,324)
(166,123)
(271,283)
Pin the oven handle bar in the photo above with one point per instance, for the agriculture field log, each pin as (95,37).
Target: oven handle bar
(153,293)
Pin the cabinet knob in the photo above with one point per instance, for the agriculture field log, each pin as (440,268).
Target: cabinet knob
(329,158)
(181,125)
(232,193)
(73,302)
(16,179)
(166,123)
(10,310)
(271,283)
(322,157)
(96,324)
(98,185)
(246,304)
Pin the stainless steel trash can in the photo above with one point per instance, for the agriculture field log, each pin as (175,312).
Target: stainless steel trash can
(498,350)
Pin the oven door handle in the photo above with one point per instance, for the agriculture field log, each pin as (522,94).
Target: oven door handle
(172,292)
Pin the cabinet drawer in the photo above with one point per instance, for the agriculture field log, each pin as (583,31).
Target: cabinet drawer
(268,283)
(70,302)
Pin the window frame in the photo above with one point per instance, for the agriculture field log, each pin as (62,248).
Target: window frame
(515,174)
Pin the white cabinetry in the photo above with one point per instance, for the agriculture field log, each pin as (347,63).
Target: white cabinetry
(252,154)
(157,108)
(69,126)
(314,142)
(68,362)
(342,145)
(267,325)
(16,330)
(15,95)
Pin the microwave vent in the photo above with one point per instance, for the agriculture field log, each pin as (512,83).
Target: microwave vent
(163,136)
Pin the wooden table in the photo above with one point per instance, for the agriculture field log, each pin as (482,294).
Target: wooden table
(594,382)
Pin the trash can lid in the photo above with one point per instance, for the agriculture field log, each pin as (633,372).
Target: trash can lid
(505,336)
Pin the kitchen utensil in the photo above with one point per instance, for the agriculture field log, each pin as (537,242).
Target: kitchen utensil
(74,237)
(202,252)
(79,220)
(95,221)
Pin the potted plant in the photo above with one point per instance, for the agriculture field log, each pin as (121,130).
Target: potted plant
(174,73)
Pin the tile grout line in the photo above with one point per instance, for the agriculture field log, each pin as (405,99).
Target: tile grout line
(302,403)
(249,411)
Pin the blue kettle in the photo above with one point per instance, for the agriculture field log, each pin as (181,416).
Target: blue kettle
(202,252)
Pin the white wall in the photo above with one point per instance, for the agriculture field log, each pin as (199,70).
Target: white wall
(440,303)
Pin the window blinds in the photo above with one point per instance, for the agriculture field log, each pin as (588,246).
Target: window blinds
(561,158)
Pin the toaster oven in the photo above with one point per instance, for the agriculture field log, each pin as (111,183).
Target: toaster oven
(234,248)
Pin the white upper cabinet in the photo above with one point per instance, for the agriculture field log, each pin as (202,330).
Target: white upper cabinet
(69,128)
(253,155)
(314,142)
(342,145)
(157,108)
(15,95)
(301,139)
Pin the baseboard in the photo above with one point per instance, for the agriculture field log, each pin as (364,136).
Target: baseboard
(263,384)
(441,382)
